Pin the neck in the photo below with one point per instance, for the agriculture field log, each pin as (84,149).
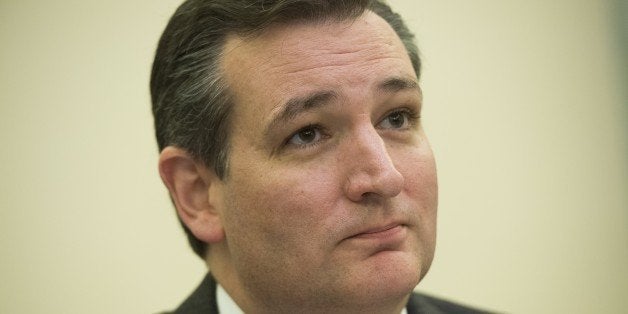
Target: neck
(252,301)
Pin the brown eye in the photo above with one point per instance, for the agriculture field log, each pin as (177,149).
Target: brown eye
(305,136)
(395,120)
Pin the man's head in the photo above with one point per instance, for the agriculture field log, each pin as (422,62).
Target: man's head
(292,146)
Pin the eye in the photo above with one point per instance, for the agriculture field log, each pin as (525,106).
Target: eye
(399,119)
(306,136)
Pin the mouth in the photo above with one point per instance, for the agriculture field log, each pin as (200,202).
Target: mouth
(389,232)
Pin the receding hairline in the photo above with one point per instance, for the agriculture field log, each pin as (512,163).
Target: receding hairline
(301,102)
(246,40)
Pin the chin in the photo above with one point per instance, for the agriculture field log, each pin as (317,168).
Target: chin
(392,274)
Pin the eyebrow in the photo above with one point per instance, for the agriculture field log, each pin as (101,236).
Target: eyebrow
(298,105)
(397,84)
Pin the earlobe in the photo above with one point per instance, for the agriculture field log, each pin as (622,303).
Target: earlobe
(189,181)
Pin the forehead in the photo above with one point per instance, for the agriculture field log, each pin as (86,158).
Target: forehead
(286,60)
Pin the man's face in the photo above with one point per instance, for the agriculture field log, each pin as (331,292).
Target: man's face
(331,194)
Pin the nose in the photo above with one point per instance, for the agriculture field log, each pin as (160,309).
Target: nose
(371,172)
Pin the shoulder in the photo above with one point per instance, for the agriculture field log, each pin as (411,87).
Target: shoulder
(424,304)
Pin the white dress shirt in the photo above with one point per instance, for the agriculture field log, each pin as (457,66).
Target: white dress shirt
(226,305)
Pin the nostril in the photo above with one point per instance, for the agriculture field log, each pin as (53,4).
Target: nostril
(370,198)
(390,183)
(375,185)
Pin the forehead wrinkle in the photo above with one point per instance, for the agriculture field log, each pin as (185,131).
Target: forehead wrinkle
(330,58)
(326,74)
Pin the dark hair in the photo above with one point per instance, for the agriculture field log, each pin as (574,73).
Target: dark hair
(191,100)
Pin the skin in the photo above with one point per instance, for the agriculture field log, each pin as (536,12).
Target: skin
(329,205)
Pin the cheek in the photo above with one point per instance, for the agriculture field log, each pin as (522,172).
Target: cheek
(278,208)
(421,187)
(419,170)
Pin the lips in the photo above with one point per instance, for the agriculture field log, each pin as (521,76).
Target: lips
(371,241)
(386,231)
(379,230)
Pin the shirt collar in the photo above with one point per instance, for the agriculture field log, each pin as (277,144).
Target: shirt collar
(225,302)
(228,306)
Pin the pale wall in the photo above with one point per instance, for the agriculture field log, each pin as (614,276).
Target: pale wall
(525,107)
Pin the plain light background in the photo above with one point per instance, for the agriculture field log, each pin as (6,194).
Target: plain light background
(525,105)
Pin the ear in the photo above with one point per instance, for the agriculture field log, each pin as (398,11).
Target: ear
(189,182)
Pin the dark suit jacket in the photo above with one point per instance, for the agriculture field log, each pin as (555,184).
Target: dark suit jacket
(203,301)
